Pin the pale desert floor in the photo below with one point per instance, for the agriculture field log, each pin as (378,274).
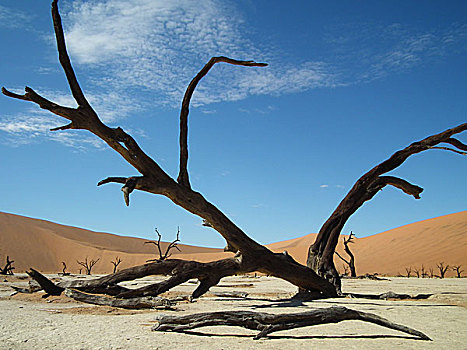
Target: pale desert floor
(30,322)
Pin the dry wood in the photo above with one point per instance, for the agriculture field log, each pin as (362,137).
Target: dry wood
(268,323)
(133,303)
(320,253)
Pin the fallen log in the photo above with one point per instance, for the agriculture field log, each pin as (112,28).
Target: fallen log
(268,323)
(133,303)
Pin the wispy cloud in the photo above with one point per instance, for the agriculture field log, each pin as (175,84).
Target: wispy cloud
(160,46)
(324,186)
(364,52)
(11,18)
(34,124)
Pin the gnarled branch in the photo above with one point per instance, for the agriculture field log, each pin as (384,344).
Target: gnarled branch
(268,323)
(183,177)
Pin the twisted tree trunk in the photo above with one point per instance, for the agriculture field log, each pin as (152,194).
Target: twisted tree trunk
(321,252)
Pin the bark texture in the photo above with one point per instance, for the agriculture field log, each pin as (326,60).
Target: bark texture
(268,323)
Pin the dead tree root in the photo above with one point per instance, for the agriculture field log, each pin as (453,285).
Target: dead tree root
(268,323)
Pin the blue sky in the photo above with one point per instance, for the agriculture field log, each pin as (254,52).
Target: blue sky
(276,148)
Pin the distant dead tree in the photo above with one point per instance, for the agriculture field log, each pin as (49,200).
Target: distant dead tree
(172,245)
(432,273)
(408,271)
(88,265)
(8,269)
(423,271)
(442,269)
(458,270)
(346,269)
(351,261)
(417,271)
(115,263)
(64,273)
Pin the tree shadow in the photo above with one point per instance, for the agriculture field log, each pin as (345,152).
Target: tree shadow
(302,337)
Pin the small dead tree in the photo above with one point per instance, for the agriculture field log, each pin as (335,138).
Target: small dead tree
(408,271)
(458,270)
(115,263)
(351,261)
(88,265)
(417,271)
(423,272)
(432,272)
(172,245)
(8,268)
(442,269)
(64,273)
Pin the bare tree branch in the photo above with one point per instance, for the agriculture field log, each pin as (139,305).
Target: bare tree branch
(456,143)
(449,149)
(183,177)
(65,60)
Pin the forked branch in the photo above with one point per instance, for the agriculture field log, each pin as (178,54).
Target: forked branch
(170,246)
(183,177)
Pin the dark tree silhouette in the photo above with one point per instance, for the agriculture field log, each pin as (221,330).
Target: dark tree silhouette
(458,270)
(170,246)
(351,261)
(88,265)
(442,269)
(417,271)
(408,271)
(64,273)
(115,263)
(320,278)
(8,268)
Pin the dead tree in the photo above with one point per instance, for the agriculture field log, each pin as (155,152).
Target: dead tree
(321,252)
(321,279)
(88,265)
(115,263)
(423,272)
(458,270)
(170,246)
(351,261)
(408,271)
(64,273)
(8,268)
(432,273)
(417,272)
(442,269)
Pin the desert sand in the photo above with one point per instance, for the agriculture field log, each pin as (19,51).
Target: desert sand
(44,245)
(29,322)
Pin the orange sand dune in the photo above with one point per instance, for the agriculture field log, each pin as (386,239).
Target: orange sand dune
(44,245)
(427,242)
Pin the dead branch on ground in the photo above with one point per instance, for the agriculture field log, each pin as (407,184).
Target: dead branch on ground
(268,323)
